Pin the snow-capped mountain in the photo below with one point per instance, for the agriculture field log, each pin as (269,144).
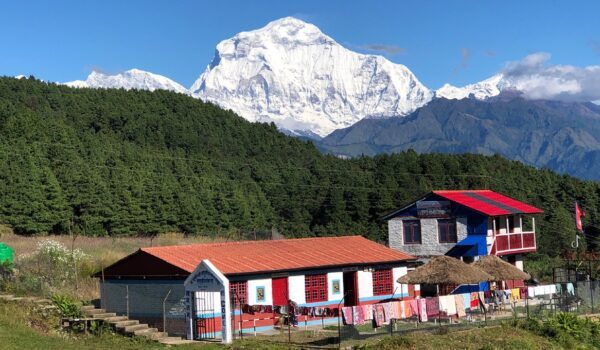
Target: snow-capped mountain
(290,73)
(482,90)
(131,79)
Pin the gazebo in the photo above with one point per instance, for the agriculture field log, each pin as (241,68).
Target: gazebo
(444,270)
(499,269)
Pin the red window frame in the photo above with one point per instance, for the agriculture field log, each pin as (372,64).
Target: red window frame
(412,231)
(241,288)
(315,288)
(383,282)
(447,231)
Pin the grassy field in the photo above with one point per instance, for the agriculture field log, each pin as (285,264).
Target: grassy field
(99,251)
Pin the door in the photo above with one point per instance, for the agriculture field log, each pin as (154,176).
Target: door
(351,288)
(279,288)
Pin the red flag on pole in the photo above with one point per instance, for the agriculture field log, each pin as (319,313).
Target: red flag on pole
(579,213)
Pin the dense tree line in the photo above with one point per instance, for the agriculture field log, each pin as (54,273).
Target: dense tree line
(115,162)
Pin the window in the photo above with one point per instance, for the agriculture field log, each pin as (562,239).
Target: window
(527,224)
(315,288)
(383,282)
(447,231)
(412,231)
(238,292)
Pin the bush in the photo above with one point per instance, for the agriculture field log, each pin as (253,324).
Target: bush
(51,268)
(67,306)
(568,329)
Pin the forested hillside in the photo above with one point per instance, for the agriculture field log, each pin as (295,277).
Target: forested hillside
(115,162)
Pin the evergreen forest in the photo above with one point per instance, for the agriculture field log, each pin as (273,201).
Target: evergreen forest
(108,162)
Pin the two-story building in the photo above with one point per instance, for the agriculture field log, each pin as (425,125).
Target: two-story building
(465,224)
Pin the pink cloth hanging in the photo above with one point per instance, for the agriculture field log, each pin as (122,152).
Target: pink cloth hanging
(348,315)
(422,310)
(460,305)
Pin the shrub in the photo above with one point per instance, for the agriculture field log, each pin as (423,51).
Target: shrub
(67,306)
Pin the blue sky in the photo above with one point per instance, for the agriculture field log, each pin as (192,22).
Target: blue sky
(458,42)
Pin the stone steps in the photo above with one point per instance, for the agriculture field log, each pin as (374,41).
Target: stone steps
(91,312)
(116,319)
(121,323)
(155,335)
(141,332)
(174,341)
(135,327)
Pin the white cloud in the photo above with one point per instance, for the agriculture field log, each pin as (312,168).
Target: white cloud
(539,80)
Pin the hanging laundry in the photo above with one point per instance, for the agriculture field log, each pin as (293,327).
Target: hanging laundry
(446,305)
(414,306)
(422,310)
(348,315)
(379,315)
(397,310)
(387,311)
(515,294)
(531,292)
(433,306)
(570,289)
(459,302)
(466,300)
(523,292)
(368,312)
(360,315)
(474,300)
(409,311)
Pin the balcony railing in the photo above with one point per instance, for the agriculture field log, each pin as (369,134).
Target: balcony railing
(515,243)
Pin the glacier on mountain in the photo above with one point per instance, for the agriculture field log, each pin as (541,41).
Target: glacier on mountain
(131,79)
(290,73)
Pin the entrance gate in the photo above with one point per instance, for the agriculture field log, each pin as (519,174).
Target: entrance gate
(205,324)
(208,307)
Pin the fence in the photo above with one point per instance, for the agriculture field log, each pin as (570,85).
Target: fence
(581,298)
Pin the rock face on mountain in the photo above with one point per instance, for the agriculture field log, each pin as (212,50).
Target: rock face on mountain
(292,74)
(563,136)
(131,79)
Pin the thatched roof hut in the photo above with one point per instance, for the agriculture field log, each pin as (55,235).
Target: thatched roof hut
(500,269)
(445,270)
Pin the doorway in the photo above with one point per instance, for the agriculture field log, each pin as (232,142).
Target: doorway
(351,288)
(279,288)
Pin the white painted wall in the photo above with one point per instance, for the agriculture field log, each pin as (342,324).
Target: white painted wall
(398,272)
(296,289)
(331,276)
(365,284)
(266,283)
(519,261)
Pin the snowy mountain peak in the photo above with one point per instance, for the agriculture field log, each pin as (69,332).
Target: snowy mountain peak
(130,79)
(482,90)
(290,73)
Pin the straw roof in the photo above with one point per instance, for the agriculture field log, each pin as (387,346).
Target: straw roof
(500,269)
(445,270)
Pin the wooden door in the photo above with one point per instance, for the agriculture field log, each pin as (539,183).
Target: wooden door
(279,288)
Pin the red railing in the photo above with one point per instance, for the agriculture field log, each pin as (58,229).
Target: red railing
(515,242)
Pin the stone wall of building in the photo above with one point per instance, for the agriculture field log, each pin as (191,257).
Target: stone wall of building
(430,245)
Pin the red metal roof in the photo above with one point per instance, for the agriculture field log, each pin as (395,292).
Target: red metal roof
(488,202)
(280,255)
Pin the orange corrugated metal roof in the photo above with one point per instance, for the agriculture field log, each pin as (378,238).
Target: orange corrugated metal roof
(280,255)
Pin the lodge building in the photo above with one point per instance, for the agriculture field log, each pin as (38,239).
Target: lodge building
(465,224)
(319,274)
